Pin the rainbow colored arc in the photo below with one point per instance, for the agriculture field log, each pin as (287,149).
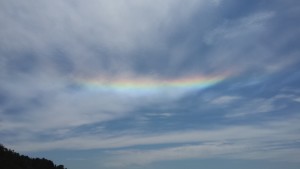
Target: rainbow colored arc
(150,85)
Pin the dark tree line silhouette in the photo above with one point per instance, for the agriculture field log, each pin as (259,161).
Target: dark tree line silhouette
(10,159)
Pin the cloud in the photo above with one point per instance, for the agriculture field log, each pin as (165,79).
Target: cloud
(297,99)
(217,150)
(254,107)
(232,40)
(105,33)
(257,106)
(240,150)
(143,157)
(161,115)
(48,44)
(274,131)
(223,100)
(46,48)
(235,29)
(118,37)
(256,144)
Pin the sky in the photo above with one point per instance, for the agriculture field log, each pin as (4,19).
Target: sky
(152,84)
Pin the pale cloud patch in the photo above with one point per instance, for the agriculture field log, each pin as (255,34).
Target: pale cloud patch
(228,41)
(162,115)
(262,105)
(238,28)
(297,99)
(143,157)
(224,100)
(253,107)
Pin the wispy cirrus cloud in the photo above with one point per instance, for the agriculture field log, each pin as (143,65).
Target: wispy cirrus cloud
(53,55)
(273,131)
(44,52)
(258,143)
(224,100)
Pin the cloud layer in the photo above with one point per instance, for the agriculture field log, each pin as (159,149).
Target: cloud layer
(49,50)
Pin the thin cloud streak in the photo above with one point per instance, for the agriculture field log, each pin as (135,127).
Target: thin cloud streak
(271,131)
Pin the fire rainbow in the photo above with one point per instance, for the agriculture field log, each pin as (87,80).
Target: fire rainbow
(150,85)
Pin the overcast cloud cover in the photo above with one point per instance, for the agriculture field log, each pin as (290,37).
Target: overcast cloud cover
(51,50)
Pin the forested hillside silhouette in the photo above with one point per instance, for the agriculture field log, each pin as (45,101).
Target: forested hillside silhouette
(10,159)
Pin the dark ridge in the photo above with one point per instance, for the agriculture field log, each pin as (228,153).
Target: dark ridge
(9,159)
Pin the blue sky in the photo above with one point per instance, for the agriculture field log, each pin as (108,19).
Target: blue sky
(63,65)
